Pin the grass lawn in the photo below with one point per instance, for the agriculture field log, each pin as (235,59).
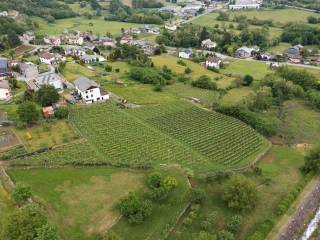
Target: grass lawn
(96,25)
(164,214)
(279,49)
(7,206)
(47,134)
(281,165)
(240,67)
(236,95)
(301,123)
(10,109)
(181,90)
(81,202)
(87,9)
(73,70)
(197,69)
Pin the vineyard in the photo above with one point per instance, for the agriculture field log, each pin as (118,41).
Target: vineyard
(219,138)
(177,133)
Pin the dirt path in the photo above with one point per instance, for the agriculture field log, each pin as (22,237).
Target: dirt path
(292,223)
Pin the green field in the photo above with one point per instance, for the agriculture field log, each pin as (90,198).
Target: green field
(7,206)
(81,202)
(301,123)
(96,25)
(197,69)
(236,95)
(282,181)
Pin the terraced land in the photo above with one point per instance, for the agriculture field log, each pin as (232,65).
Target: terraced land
(175,133)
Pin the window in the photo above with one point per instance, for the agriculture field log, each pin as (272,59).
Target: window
(87,96)
(91,95)
(86,91)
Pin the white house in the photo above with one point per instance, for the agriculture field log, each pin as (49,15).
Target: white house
(46,78)
(92,58)
(75,40)
(47,58)
(4,90)
(245,4)
(186,53)
(126,39)
(75,51)
(171,26)
(246,52)
(52,40)
(213,62)
(89,91)
(4,14)
(208,44)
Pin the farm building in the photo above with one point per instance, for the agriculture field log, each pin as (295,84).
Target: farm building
(89,91)
(213,62)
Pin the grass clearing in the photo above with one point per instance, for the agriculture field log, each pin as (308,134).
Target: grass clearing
(236,95)
(73,70)
(80,201)
(197,69)
(46,135)
(97,25)
(281,165)
(279,49)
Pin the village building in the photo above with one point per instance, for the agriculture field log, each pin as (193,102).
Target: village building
(293,54)
(5,70)
(175,10)
(246,52)
(208,44)
(47,58)
(28,70)
(89,59)
(171,26)
(75,51)
(213,62)
(147,47)
(75,40)
(245,4)
(4,14)
(186,53)
(151,30)
(88,36)
(29,36)
(89,91)
(4,90)
(52,40)
(107,42)
(46,78)
(126,39)
(268,56)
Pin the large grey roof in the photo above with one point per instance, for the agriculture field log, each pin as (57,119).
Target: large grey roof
(83,83)
(3,63)
(47,78)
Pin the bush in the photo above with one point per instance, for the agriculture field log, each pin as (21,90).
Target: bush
(187,70)
(181,62)
(205,83)
(135,209)
(247,80)
(21,192)
(197,195)
(225,235)
(61,113)
(160,186)
(108,68)
(235,223)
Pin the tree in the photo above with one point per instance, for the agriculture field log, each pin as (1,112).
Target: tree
(135,209)
(47,232)
(247,80)
(47,95)
(240,193)
(204,82)
(28,113)
(235,223)
(21,192)
(202,235)
(61,113)
(23,223)
(312,20)
(197,195)
(225,235)
(13,39)
(312,161)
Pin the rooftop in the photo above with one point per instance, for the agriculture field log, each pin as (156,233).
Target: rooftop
(83,83)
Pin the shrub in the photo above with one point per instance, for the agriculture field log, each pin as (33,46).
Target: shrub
(205,83)
(21,192)
(181,62)
(235,223)
(197,195)
(61,113)
(108,68)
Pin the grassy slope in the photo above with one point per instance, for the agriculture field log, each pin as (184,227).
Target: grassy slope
(236,95)
(6,206)
(280,165)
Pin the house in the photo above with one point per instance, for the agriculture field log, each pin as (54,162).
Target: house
(208,44)
(89,91)
(4,90)
(106,41)
(293,54)
(151,30)
(48,112)
(171,27)
(5,70)
(173,9)
(46,78)
(28,70)
(4,14)
(132,31)
(88,36)
(147,47)
(246,52)
(244,4)
(52,40)
(47,58)
(75,51)
(29,36)
(75,40)
(213,62)
(126,39)
(88,59)
(268,56)
(186,53)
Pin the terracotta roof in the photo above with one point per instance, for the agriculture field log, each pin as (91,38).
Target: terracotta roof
(47,55)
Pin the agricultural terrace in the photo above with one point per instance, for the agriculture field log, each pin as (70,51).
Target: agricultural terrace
(220,139)
(197,69)
(96,25)
(97,190)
